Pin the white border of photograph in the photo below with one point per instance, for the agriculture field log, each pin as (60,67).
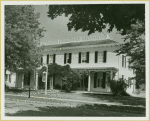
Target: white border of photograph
(3,117)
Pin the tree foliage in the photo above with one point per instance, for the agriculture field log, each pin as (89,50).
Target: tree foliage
(95,17)
(22,34)
(135,48)
(118,87)
(128,19)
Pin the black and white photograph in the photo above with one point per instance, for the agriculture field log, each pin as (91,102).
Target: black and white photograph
(75,60)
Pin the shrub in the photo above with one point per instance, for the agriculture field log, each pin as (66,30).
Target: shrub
(118,87)
(6,88)
(57,86)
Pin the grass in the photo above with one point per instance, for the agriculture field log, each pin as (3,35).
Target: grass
(68,112)
(104,98)
(125,100)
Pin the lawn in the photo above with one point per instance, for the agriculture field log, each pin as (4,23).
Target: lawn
(125,100)
(22,108)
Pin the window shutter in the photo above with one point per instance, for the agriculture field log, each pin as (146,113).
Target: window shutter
(70,57)
(65,58)
(79,57)
(105,56)
(47,59)
(41,59)
(95,79)
(104,80)
(125,61)
(96,56)
(54,57)
(122,60)
(87,57)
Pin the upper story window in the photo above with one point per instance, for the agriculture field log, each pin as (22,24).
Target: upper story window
(100,56)
(67,58)
(51,59)
(84,57)
(123,61)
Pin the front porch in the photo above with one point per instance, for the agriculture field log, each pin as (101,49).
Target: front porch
(97,79)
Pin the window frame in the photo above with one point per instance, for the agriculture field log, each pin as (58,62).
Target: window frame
(85,61)
(123,61)
(102,56)
(51,58)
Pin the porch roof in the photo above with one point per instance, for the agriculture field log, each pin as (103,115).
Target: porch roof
(97,69)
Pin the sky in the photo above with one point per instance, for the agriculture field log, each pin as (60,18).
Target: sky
(57,28)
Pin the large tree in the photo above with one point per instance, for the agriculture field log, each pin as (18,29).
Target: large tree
(95,17)
(135,48)
(22,34)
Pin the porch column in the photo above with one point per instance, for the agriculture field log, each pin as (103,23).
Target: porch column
(51,83)
(111,75)
(36,78)
(89,81)
(22,80)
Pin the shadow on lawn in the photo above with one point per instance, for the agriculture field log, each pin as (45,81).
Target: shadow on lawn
(17,91)
(125,100)
(75,111)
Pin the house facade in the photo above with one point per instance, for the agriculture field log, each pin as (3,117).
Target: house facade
(94,53)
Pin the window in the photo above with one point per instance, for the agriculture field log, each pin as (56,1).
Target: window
(27,78)
(99,82)
(83,57)
(123,61)
(129,64)
(104,80)
(100,56)
(51,59)
(67,58)
(134,71)
(129,82)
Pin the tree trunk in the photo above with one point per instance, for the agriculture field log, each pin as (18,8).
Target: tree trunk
(80,83)
(29,92)
(61,84)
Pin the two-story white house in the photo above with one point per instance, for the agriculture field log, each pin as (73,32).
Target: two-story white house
(95,53)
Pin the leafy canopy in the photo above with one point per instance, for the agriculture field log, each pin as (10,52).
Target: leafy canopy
(95,17)
(128,19)
(135,48)
(22,34)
